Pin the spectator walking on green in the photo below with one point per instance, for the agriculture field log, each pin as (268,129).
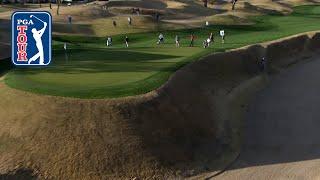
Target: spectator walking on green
(109,41)
(205,43)
(192,37)
(161,39)
(211,37)
(222,34)
(127,41)
(177,39)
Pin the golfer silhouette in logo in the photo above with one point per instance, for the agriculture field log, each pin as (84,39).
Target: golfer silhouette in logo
(37,34)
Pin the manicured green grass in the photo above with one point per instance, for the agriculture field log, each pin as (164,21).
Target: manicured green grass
(90,70)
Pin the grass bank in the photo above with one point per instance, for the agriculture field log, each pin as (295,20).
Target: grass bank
(90,70)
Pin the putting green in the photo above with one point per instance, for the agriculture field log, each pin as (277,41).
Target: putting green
(90,70)
(105,67)
(97,71)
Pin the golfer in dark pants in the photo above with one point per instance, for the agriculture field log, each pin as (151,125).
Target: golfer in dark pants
(127,41)
(191,40)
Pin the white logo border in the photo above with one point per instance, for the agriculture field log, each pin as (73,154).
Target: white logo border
(12,36)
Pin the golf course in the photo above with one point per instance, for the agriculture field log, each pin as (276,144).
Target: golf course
(240,107)
(89,69)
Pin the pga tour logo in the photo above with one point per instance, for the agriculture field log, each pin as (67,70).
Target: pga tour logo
(31,38)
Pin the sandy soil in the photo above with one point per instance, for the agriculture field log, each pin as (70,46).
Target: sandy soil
(282,129)
(169,10)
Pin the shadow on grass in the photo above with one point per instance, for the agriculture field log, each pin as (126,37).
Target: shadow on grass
(73,29)
(98,61)
(304,11)
(5,65)
(20,174)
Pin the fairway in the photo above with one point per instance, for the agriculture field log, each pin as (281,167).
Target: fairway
(91,70)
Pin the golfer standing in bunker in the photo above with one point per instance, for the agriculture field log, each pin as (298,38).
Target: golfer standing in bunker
(37,35)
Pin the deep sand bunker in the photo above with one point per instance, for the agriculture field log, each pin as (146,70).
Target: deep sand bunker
(282,128)
(173,131)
